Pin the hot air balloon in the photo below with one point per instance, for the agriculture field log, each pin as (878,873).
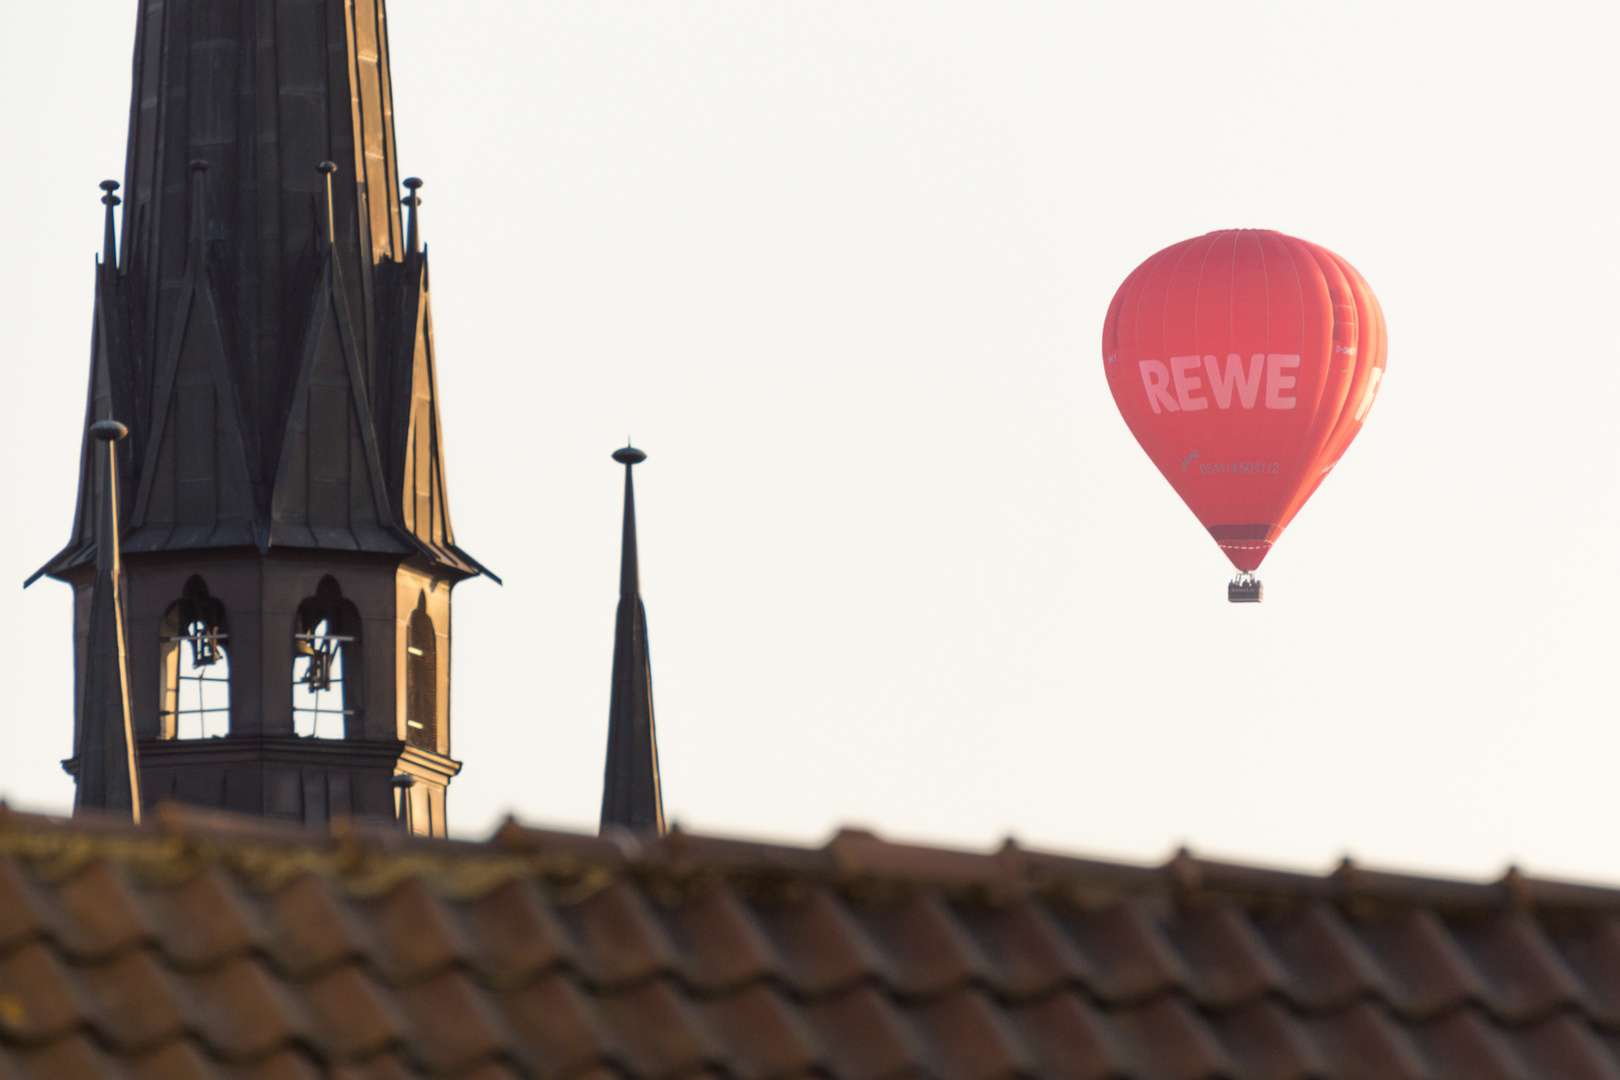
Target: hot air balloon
(1244,361)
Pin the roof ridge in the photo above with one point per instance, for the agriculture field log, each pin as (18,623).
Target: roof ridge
(369,858)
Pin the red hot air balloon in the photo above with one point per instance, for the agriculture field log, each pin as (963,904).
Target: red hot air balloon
(1244,362)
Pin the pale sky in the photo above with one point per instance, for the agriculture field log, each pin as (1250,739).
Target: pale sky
(841,270)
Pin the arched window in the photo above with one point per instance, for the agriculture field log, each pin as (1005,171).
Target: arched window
(196,666)
(421,679)
(326,664)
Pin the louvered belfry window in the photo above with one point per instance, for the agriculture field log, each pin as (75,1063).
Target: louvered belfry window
(421,680)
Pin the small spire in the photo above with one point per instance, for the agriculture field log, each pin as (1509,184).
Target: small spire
(412,201)
(328,228)
(108,777)
(109,245)
(632,797)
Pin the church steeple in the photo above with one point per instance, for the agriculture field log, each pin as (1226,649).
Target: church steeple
(267,337)
(631,796)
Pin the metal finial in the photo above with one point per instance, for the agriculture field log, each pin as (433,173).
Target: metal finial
(108,430)
(629,455)
(413,200)
(327,167)
(109,246)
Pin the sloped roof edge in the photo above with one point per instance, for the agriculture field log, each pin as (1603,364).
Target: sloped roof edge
(203,944)
(370,857)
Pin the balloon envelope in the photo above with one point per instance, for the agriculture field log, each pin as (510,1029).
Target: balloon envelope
(1244,362)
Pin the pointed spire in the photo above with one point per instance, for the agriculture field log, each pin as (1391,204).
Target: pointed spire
(108,779)
(412,201)
(631,795)
(109,244)
(219,277)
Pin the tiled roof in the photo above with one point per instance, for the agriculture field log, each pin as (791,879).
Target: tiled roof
(205,946)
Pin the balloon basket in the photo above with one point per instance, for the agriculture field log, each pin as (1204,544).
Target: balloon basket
(1245,589)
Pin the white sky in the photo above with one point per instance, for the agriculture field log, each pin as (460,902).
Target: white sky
(841,269)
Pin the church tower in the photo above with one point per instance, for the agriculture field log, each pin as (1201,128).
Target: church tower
(262,327)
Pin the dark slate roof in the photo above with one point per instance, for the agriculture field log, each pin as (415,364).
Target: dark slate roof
(204,946)
(266,330)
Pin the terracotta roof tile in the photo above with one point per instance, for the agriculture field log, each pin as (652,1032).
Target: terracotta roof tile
(312,929)
(1562,1048)
(558,1030)
(821,947)
(491,1070)
(1168,1041)
(1269,1043)
(72,1058)
(1028,955)
(176,1061)
(353,1016)
(40,1000)
(1126,950)
(384,1067)
(139,1005)
(865,1036)
(967,1037)
(659,1031)
(415,934)
(618,937)
(1327,966)
(1592,954)
(21,914)
(928,952)
(98,913)
(261,951)
(1464,1044)
(762,1035)
(514,935)
(1524,973)
(204,920)
(286,1065)
(453,1026)
(1427,970)
(1362,1042)
(720,943)
(1229,960)
(244,1012)
(1070,1040)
